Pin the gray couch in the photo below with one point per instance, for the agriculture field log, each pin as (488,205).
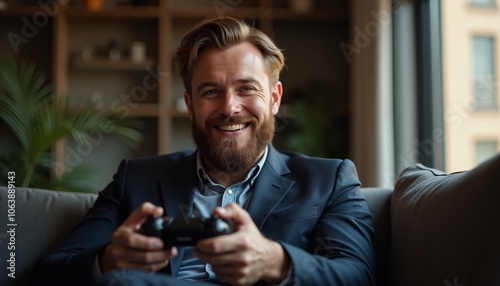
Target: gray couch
(432,229)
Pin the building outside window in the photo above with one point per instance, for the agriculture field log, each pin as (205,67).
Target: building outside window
(485,3)
(484,72)
(485,149)
(470,64)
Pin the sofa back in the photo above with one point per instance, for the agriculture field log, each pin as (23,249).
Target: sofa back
(433,229)
(44,218)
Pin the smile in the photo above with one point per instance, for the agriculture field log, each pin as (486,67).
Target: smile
(232,127)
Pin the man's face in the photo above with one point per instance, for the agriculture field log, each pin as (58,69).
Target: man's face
(232,107)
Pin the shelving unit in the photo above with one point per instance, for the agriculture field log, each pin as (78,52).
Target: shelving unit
(310,41)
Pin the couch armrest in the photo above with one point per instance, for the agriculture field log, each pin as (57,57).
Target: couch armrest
(445,226)
(44,218)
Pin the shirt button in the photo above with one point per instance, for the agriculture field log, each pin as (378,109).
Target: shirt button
(230,192)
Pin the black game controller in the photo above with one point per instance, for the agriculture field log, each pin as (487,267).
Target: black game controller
(180,231)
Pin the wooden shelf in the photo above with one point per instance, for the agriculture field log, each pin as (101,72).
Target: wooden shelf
(202,13)
(152,12)
(160,26)
(21,10)
(145,110)
(176,113)
(338,15)
(119,12)
(114,13)
(141,110)
(109,64)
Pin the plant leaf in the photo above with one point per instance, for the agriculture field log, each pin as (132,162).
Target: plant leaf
(38,120)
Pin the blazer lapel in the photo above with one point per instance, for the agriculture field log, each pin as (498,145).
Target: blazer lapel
(177,192)
(177,188)
(270,188)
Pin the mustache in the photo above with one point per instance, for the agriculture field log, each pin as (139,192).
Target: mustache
(236,119)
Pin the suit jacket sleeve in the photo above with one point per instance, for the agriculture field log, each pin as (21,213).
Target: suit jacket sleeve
(340,250)
(73,262)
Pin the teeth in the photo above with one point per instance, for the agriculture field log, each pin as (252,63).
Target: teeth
(232,127)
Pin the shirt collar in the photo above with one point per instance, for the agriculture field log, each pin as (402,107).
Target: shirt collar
(203,177)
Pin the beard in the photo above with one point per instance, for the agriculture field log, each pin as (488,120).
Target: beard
(225,154)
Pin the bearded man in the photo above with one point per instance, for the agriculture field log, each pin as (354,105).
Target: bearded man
(298,220)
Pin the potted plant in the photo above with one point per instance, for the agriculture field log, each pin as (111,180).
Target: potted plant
(38,120)
(316,128)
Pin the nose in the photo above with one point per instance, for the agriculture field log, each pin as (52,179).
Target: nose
(231,104)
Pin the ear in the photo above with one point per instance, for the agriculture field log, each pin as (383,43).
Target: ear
(189,105)
(276,93)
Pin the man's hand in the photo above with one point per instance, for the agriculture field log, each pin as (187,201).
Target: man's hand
(246,256)
(130,249)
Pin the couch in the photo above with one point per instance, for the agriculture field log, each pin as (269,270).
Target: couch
(433,228)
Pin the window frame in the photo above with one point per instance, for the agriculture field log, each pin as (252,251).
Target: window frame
(430,83)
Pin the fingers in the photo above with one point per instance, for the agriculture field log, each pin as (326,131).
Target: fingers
(127,235)
(137,218)
(128,238)
(240,240)
(130,249)
(147,260)
(234,212)
(244,257)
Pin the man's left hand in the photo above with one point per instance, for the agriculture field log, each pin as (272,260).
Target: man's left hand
(246,256)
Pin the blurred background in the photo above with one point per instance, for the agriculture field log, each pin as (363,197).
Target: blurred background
(383,83)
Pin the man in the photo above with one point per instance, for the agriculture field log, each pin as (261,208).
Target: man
(298,220)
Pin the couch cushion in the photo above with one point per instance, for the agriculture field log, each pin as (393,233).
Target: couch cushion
(445,227)
(378,201)
(43,219)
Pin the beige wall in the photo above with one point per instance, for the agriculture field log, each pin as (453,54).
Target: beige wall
(464,125)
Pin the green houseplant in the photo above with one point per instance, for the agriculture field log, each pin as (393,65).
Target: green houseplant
(38,119)
(316,128)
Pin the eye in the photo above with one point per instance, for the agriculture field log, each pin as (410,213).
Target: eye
(210,93)
(247,89)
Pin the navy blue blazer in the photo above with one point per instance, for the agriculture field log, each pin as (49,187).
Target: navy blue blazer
(312,206)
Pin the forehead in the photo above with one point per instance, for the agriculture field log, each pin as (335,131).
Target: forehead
(239,60)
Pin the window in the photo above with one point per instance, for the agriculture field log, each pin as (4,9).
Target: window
(446,82)
(470,78)
(484,72)
(484,3)
(485,150)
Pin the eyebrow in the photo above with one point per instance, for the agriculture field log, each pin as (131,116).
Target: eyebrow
(250,80)
(239,81)
(206,84)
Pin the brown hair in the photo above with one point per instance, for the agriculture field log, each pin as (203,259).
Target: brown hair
(223,33)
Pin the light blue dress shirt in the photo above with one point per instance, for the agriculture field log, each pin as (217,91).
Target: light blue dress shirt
(208,196)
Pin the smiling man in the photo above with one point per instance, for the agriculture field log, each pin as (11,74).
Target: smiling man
(232,104)
(298,220)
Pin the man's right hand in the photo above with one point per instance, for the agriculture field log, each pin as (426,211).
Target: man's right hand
(130,249)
